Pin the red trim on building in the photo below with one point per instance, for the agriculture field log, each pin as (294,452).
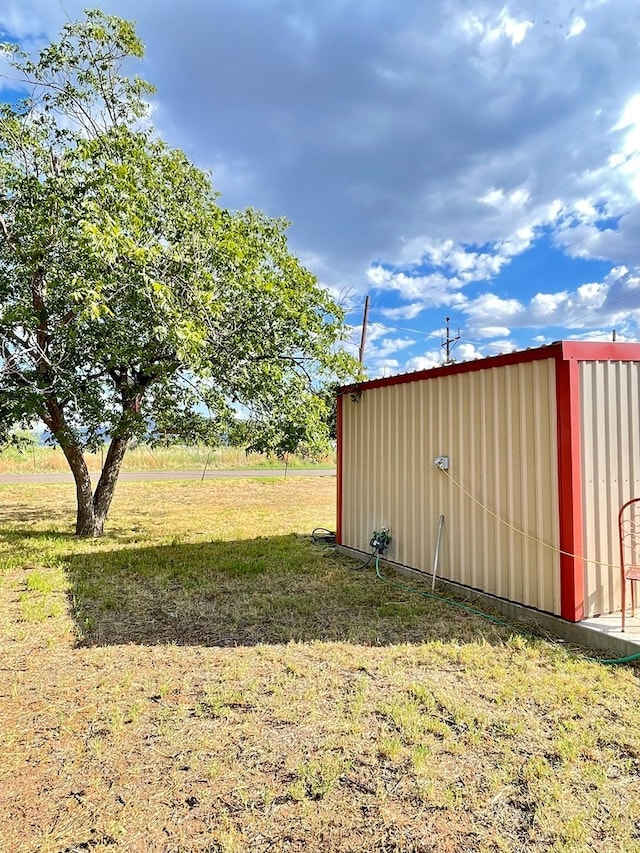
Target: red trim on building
(339,424)
(570,487)
(551,351)
(560,350)
(597,351)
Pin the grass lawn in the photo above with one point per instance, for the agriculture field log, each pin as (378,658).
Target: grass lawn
(204,678)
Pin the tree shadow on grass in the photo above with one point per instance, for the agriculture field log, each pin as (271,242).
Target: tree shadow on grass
(25,525)
(16,519)
(243,593)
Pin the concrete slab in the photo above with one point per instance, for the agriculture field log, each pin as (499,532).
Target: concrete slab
(612,625)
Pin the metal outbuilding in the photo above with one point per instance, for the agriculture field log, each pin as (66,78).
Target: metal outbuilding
(528,456)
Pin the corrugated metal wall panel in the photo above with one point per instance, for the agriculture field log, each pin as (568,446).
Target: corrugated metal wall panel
(498,426)
(610,431)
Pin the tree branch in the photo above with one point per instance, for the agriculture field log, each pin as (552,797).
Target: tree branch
(7,236)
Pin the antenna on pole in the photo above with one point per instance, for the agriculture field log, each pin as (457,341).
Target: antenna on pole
(449,342)
(363,336)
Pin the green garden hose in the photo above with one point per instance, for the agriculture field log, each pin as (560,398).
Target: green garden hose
(475,612)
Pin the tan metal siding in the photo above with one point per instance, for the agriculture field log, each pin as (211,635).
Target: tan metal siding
(498,427)
(610,433)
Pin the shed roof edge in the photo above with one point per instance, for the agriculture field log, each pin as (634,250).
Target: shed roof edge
(562,350)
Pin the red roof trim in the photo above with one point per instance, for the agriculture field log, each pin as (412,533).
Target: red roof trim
(561,350)
(551,351)
(600,351)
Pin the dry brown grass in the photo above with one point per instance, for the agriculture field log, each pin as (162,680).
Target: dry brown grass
(45,459)
(205,679)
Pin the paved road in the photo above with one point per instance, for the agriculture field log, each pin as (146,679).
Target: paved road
(137,476)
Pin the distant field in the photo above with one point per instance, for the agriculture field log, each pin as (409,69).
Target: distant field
(205,679)
(40,460)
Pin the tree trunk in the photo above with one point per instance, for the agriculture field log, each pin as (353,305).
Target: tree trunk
(86,517)
(107,482)
(93,507)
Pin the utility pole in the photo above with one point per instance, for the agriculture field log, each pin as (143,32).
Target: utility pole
(363,336)
(449,342)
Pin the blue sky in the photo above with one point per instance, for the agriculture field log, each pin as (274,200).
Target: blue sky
(473,160)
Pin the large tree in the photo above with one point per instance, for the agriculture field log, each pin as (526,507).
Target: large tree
(131,302)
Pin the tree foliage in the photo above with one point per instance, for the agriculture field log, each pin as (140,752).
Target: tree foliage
(132,303)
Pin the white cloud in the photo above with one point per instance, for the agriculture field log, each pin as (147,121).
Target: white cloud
(578,26)
(602,335)
(617,193)
(437,138)
(424,362)
(404,312)
(380,346)
(388,346)
(467,352)
(28,21)
(500,346)
(490,28)
(492,331)
(385,367)
(435,289)
(615,300)
(511,28)
(435,357)
(545,305)
(490,308)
